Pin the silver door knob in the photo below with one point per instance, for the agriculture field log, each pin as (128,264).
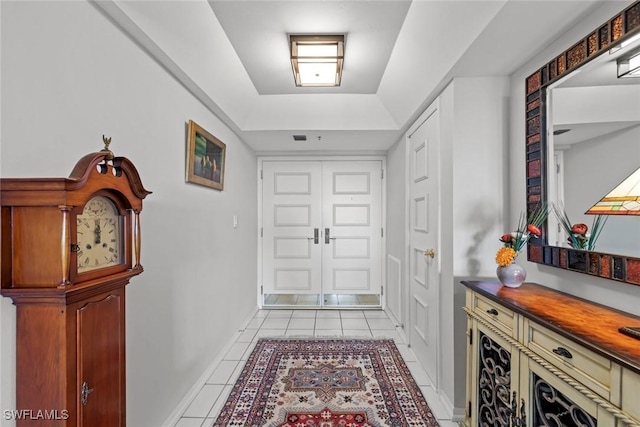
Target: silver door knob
(430,253)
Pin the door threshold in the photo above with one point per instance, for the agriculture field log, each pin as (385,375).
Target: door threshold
(315,302)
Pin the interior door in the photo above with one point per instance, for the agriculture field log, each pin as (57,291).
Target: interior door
(291,218)
(423,257)
(352,228)
(322,233)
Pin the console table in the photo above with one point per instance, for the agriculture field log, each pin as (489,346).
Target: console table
(537,356)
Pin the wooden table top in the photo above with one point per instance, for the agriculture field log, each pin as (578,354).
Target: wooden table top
(592,325)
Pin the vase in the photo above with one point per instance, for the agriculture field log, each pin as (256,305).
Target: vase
(512,275)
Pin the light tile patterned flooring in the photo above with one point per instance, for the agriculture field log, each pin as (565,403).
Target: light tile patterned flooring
(204,408)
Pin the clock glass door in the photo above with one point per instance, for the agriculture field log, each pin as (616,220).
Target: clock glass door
(99,235)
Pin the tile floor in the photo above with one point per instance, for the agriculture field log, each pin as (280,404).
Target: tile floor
(204,408)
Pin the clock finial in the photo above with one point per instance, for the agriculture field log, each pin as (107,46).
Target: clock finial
(109,153)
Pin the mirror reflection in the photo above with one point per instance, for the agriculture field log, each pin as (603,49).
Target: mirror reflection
(593,132)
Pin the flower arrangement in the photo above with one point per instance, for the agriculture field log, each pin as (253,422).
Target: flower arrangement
(579,236)
(515,241)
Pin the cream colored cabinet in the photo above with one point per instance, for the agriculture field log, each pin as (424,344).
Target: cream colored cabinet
(530,363)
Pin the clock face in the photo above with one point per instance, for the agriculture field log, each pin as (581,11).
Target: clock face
(99,235)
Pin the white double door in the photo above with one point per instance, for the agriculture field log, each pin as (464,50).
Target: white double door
(322,227)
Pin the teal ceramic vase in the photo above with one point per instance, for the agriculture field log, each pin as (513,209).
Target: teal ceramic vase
(511,276)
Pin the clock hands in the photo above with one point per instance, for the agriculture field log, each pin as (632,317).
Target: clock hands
(97,231)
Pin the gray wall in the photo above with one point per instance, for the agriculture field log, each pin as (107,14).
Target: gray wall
(69,76)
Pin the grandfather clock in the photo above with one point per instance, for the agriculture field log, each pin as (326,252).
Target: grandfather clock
(69,247)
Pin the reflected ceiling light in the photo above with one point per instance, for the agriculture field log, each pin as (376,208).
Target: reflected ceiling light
(624,199)
(629,65)
(317,60)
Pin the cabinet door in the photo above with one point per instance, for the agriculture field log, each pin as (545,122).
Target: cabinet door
(553,402)
(101,372)
(495,367)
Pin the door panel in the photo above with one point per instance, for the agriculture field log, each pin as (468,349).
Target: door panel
(291,213)
(352,204)
(423,224)
(100,343)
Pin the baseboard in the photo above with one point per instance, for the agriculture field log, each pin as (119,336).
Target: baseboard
(457,414)
(175,415)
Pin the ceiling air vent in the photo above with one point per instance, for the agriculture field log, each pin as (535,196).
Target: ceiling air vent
(299,137)
(560,131)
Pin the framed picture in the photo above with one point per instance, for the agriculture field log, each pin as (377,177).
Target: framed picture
(205,157)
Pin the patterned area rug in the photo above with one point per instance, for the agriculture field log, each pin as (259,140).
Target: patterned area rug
(325,383)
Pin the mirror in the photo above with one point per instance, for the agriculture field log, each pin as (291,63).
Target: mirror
(593,141)
(582,133)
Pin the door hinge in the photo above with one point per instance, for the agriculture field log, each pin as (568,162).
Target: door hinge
(382,232)
(470,336)
(382,174)
(381,290)
(261,231)
(261,291)
(469,409)
(261,176)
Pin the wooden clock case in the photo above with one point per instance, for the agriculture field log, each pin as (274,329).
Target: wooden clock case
(70,340)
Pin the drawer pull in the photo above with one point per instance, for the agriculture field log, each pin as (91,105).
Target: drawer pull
(493,312)
(561,351)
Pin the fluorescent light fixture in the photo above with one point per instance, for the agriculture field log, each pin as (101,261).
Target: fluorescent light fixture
(317,60)
(629,66)
(624,199)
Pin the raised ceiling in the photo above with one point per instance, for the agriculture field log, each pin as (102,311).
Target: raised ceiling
(233,55)
(371,30)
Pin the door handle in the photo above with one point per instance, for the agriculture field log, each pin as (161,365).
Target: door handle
(316,236)
(327,236)
(430,253)
(84,393)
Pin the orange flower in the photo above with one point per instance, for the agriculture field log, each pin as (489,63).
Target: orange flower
(505,256)
(506,238)
(579,228)
(533,230)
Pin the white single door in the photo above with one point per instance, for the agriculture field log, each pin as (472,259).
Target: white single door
(423,257)
(291,218)
(352,229)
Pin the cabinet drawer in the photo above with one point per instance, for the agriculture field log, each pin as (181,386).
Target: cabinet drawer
(591,369)
(495,313)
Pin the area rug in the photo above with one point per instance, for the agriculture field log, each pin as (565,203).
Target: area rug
(325,383)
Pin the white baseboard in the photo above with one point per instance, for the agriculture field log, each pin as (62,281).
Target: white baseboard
(177,412)
(457,414)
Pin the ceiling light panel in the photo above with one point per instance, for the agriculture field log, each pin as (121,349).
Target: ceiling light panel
(317,59)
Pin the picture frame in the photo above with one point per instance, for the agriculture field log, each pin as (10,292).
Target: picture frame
(205,157)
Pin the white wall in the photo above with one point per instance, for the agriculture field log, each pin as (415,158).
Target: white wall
(69,76)
(583,187)
(397,220)
(472,202)
(473,190)
(621,296)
